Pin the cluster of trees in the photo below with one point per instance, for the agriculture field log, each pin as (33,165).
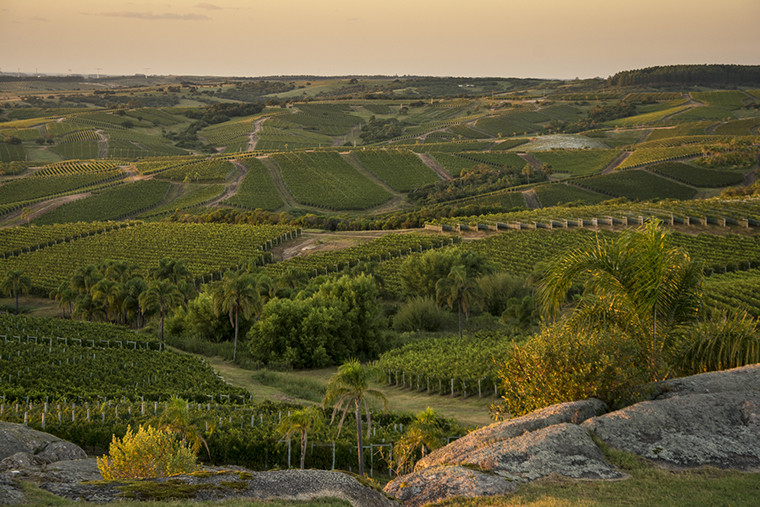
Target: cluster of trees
(606,112)
(377,130)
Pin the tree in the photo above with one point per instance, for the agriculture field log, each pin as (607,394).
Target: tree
(302,421)
(636,283)
(172,270)
(161,295)
(176,419)
(238,293)
(65,296)
(424,433)
(459,291)
(16,282)
(351,386)
(526,171)
(110,294)
(84,278)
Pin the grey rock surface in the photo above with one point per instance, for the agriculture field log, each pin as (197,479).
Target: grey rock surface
(16,438)
(565,449)
(572,412)
(439,482)
(10,492)
(692,430)
(745,378)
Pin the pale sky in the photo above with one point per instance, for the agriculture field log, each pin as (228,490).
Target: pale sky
(499,38)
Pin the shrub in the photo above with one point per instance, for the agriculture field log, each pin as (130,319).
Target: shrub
(147,454)
(419,314)
(724,341)
(559,365)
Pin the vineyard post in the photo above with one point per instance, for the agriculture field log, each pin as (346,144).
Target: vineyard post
(25,418)
(452,388)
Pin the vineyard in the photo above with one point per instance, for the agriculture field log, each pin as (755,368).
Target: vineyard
(257,191)
(71,167)
(28,189)
(402,170)
(646,156)
(576,162)
(17,239)
(196,196)
(636,185)
(327,181)
(206,171)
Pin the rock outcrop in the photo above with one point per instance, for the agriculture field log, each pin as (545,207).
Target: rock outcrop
(709,419)
(17,438)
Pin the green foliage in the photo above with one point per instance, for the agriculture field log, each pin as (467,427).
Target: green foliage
(720,342)
(147,454)
(27,189)
(419,314)
(560,365)
(637,285)
(340,320)
(559,194)
(420,274)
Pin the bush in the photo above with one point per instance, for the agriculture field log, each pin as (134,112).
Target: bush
(147,454)
(419,314)
(558,365)
(724,341)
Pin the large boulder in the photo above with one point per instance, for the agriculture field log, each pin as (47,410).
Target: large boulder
(496,459)
(439,482)
(719,429)
(572,412)
(15,438)
(744,378)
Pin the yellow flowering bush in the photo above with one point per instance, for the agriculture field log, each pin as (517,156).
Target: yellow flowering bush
(147,454)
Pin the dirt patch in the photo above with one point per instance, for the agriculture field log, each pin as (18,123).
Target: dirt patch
(435,166)
(232,187)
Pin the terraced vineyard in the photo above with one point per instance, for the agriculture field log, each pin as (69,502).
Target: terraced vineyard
(70,167)
(558,194)
(647,156)
(29,189)
(196,196)
(206,171)
(209,249)
(636,185)
(326,180)
(110,204)
(15,240)
(697,176)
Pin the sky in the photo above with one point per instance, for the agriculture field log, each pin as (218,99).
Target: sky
(560,39)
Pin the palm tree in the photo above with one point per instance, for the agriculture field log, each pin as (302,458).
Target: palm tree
(351,385)
(130,305)
(16,282)
(176,419)
(161,295)
(238,293)
(110,294)
(423,433)
(459,291)
(302,421)
(65,296)
(172,270)
(637,284)
(84,278)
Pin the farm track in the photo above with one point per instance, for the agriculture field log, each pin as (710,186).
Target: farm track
(233,187)
(102,144)
(531,199)
(435,166)
(622,158)
(254,137)
(533,161)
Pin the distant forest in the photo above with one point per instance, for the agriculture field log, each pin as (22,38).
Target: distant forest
(689,75)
